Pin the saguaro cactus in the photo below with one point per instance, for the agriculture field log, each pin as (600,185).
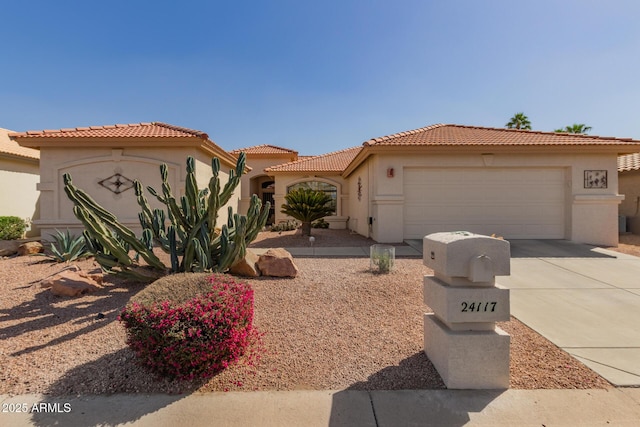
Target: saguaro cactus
(192,237)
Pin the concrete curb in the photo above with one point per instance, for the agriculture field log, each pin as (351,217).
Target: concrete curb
(613,407)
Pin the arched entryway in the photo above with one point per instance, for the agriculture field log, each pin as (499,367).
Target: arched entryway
(264,186)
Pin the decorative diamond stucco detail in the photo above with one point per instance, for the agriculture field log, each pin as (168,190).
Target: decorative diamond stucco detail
(117,183)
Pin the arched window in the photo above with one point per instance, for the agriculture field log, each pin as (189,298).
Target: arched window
(329,189)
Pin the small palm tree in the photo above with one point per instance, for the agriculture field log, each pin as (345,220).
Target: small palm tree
(519,121)
(307,205)
(575,128)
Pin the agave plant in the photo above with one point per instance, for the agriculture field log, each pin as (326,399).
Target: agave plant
(67,248)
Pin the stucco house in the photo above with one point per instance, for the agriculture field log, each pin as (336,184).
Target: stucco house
(629,185)
(19,175)
(445,177)
(105,160)
(513,183)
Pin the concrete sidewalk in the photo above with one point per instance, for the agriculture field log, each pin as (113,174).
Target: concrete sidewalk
(614,407)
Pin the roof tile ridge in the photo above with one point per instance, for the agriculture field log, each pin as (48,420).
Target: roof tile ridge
(280,148)
(77,129)
(194,132)
(332,153)
(374,141)
(237,150)
(309,159)
(547,132)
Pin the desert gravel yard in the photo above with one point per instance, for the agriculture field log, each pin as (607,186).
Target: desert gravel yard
(335,326)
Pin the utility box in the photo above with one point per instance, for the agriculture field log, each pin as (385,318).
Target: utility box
(461,337)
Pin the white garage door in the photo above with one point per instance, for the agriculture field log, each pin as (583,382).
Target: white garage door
(514,203)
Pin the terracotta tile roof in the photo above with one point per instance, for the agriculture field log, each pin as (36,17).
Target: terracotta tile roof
(10,147)
(144,133)
(449,134)
(629,162)
(264,149)
(336,161)
(135,130)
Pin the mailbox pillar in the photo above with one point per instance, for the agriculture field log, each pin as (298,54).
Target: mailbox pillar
(461,337)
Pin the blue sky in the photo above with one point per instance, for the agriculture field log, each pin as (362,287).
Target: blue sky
(324,75)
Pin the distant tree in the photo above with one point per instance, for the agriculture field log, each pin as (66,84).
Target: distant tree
(575,128)
(519,121)
(307,205)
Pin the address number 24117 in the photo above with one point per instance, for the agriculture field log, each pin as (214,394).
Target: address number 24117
(477,307)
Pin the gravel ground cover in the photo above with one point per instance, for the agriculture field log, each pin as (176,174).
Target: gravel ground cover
(335,326)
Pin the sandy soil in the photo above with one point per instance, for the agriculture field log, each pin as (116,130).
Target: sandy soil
(335,326)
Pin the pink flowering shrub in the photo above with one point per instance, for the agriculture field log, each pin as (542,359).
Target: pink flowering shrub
(190,336)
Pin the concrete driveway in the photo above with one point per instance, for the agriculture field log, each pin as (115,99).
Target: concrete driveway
(584,299)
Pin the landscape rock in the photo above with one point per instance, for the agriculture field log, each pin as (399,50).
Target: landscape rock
(29,248)
(247,266)
(8,247)
(73,282)
(277,263)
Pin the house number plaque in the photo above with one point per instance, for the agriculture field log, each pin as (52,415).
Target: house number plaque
(470,307)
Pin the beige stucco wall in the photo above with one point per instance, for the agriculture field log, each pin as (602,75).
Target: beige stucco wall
(360,189)
(339,220)
(591,214)
(629,185)
(88,166)
(18,193)
(257,165)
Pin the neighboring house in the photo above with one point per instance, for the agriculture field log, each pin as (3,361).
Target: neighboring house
(629,185)
(105,160)
(257,181)
(19,175)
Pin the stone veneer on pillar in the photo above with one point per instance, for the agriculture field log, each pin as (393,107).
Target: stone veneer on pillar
(461,337)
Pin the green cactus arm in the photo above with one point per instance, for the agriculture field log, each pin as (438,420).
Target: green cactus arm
(191,192)
(173,249)
(200,255)
(97,232)
(146,214)
(79,197)
(129,237)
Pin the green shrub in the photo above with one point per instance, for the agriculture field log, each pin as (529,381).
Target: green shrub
(190,325)
(67,248)
(321,223)
(12,227)
(285,226)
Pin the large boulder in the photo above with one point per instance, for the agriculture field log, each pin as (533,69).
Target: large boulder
(247,266)
(9,247)
(29,248)
(73,282)
(277,263)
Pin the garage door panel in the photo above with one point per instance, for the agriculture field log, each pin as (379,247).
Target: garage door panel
(514,203)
